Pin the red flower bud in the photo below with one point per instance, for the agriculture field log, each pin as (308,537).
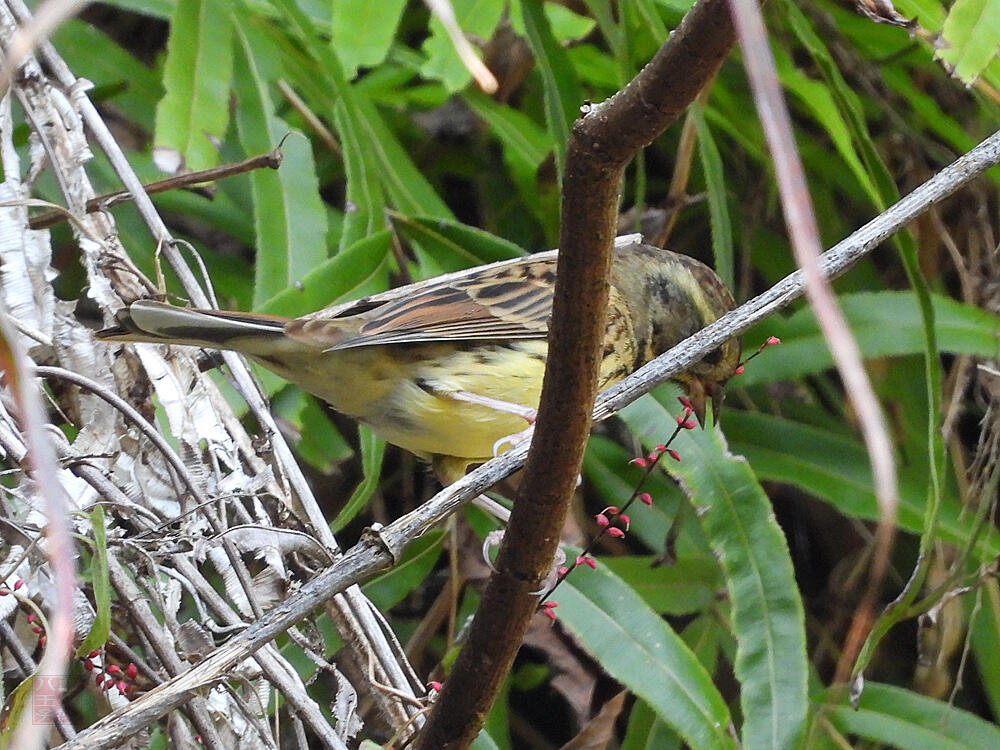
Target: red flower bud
(640,462)
(112,669)
(773,340)
(674,455)
(739,370)
(616,532)
(131,671)
(645,498)
(88,665)
(602,520)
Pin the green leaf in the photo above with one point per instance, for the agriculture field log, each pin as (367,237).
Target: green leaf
(196,76)
(884,324)
(378,165)
(647,731)
(450,246)
(604,467)
(361,31)
(91,54)
(835,468)
(372,452)
(319,444)
(906,720)
(984,636)
(818,100)
(359,270)
(289,217)
(637,648)
(419,558)
(477,18)
(483,741)
(14,708)
(767,616)
(718,210)
(682,587)
(563,94)
(101,627)
(161,9)
(971,36)
(525,144)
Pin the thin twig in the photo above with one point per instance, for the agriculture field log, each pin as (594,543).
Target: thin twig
(271,160)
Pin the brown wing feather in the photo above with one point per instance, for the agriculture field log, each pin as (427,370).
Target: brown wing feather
(512,301)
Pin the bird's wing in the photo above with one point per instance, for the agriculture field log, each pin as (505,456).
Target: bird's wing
(511,300)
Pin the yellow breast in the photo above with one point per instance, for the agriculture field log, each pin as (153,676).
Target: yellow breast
(401,391)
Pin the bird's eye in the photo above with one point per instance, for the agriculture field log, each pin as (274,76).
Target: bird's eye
(714,356)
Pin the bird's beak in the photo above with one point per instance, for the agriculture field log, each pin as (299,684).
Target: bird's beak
(699,392)
(697,396)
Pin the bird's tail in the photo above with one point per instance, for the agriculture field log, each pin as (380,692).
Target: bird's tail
(156,322)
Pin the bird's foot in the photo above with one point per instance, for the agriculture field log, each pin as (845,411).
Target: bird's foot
(508,407)
(514,440)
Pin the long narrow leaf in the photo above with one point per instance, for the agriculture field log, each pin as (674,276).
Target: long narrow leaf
(767,615)
(196,76)
(638,649)
(289,217)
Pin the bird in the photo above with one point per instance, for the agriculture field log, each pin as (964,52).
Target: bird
(451,368)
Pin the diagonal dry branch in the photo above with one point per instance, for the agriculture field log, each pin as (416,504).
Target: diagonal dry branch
(379,549)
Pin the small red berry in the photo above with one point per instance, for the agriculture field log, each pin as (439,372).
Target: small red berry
(122,687)
(645,498)
(640,462)
(88,665)
(435,686)
(94,653)
(615,532)
(739,370)
(31,617)
(131,671)
(562,570)
(685,401)
(773,340)
(113,669)
(602,520)
(674,454)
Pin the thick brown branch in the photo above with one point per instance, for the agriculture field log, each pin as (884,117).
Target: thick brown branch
(602,143)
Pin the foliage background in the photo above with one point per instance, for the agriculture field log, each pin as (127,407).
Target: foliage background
(398,168)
